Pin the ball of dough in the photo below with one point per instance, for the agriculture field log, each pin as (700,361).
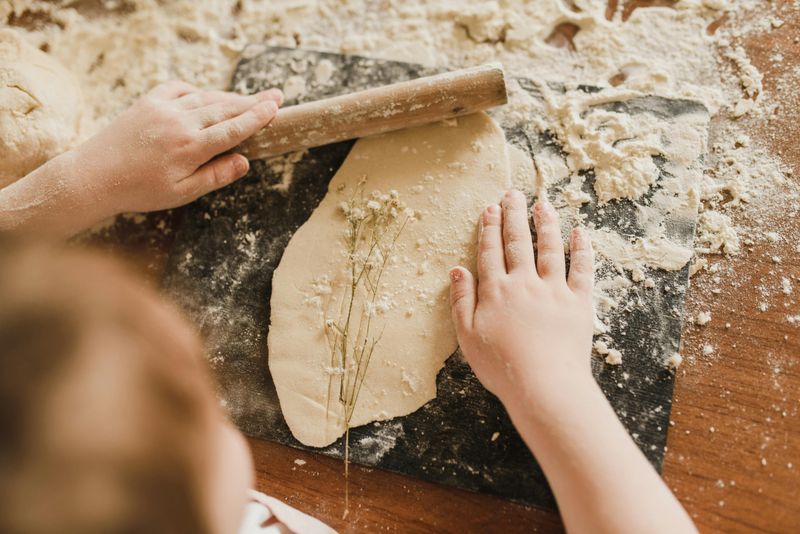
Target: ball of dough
(41,106)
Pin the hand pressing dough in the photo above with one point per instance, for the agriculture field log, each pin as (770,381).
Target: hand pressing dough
(446,174)
(40,108)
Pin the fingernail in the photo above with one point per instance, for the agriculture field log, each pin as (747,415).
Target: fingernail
(241,165)
(270,106)
(456,274)
(277,96)
(494,209)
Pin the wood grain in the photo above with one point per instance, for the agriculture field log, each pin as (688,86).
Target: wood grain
(379,110)
(749,389)
(383,501)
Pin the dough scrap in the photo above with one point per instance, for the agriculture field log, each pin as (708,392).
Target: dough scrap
(445,174)
(40,107)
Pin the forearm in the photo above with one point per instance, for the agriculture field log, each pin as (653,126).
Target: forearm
(601,480)
(55,201)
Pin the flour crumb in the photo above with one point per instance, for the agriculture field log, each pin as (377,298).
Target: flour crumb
(612,356)
(673,362)
(786,286)
(323,72)
(703,318)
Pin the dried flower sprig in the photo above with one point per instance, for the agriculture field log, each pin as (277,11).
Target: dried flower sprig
(373,225)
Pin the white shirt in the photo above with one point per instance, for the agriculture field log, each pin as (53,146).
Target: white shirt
(267,515)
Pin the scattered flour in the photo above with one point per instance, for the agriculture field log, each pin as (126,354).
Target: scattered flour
(119,49)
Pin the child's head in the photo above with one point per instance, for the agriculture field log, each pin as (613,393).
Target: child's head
(108,420)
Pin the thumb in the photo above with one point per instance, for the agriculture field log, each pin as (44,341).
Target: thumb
(213,175)
(462,299)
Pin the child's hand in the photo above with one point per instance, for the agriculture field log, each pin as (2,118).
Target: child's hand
(524,324)
(164,150)
(526,330)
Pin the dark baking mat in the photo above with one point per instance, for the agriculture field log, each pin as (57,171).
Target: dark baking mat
(229,243)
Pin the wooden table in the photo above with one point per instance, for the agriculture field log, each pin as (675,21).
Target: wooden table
(734,451)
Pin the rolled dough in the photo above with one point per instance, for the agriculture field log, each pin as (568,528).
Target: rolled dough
(445,174)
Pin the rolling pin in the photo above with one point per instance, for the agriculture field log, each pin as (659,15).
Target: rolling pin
(379,110)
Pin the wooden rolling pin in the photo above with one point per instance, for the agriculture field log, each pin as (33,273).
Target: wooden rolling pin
(379,110)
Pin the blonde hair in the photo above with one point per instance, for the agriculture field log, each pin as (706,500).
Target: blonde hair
(104,406)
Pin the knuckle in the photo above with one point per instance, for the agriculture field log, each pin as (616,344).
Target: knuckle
(226,108)
(233,130)
(514,232)
(490,290)
(149,104)
(486,244)
(530,285)
(163,86)
(457,296)
(262,113)
(579,267)
(551,243)
(192,100)
(218,174)
(514,252)
(192,190)
(583,260)
(184,138)
(493,220)
(547,262)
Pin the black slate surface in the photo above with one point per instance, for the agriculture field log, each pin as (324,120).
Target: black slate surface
(230,242)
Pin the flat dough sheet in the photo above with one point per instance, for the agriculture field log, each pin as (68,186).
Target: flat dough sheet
(447,173)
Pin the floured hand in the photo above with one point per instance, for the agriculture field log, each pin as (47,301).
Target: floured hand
(164,151)
(524,322)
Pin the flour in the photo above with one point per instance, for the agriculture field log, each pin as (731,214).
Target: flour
(674,361)
(294,87)
(612,356)
(703,318)
(118,50)
(618,149)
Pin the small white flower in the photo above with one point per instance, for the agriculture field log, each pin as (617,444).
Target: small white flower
(357,214)
(373,205)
